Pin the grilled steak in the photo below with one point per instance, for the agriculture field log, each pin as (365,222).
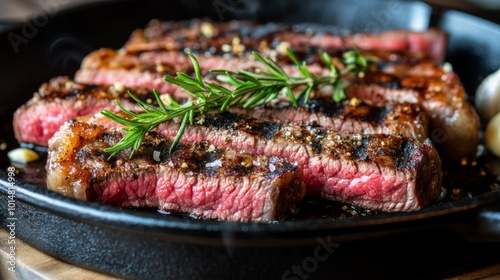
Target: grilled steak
(375,172)
(197,179)
(374,150)
(61,99)
(404,74)
(454,122)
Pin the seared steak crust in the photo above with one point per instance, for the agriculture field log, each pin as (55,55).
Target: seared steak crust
(197,179)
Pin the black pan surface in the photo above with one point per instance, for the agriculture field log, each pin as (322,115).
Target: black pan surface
(455,234)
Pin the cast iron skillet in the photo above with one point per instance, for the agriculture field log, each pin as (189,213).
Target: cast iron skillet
(140,244)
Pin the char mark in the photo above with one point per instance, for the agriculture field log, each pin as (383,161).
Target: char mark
(360,152)
(86,88)
(235,122)
(377,115)
(404,157)
(324,106)
(392,83)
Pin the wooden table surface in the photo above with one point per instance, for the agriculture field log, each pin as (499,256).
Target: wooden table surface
(32,264)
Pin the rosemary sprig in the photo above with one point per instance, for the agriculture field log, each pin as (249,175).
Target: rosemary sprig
(249,89)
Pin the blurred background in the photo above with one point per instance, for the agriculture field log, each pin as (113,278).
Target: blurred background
(19,10)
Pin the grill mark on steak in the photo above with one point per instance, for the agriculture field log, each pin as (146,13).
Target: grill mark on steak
(405,174)
(389,83)
(403,158)
(361,152)
(198,179)
(331,109)
(234,122)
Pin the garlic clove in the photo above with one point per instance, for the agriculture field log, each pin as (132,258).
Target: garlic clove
(22,155)
(487,97)
(492,135)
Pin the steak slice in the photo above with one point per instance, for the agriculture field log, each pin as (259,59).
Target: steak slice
(201,35)
(197,179)
(376,172)
(61,99)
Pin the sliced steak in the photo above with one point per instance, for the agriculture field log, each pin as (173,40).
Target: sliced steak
(196,179)
(408,68)
(61,99)
(160,49)
(375,172)
(455,122)
(147,69)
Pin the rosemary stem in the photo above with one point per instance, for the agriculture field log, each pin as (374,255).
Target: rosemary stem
(246,89)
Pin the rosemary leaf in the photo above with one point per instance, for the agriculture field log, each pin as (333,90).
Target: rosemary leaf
(180,132)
